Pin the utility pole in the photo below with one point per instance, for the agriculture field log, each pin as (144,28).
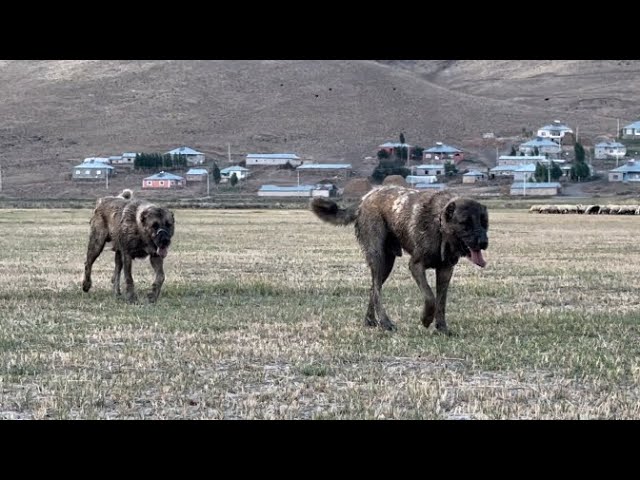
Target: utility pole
(0,178)
(106,171)
(229,151)
(208,175)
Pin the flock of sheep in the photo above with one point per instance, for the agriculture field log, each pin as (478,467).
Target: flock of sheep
(588,209)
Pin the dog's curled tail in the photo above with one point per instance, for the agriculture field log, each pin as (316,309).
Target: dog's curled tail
(329,212)
(126,194)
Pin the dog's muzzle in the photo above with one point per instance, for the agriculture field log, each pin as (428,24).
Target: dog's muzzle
(162,239)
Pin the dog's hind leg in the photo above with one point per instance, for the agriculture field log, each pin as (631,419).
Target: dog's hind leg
(381,267)
(97,240)
(115,279)
(419,275)
(130,295)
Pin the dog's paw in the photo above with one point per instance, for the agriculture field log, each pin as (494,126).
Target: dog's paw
(370,322)
(388,325)
(86,285)
(152,297)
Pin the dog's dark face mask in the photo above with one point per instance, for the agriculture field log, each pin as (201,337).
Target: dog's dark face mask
(159,224)
(468,222)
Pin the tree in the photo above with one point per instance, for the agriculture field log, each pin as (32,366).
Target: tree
(215,172)
(541,173)
(402,137)
(402,154)
(536,152)
(450,168)
(580,171)
(579,152)
(556,171)
(513,151)
(233,179)
(416,153)
(383,154)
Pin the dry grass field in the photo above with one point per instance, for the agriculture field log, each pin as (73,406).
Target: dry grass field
(261,318)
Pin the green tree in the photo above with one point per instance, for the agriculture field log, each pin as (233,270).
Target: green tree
(416,153)
(215,172)
(580,171)
(402,154)
(450,168)
(536,152)
(556,171)
(541,174)
(233,179)
(402,137)
(383,154)
(579,152)
(513,151)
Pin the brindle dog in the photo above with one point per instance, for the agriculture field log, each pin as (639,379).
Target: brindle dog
(435,229)
(136,229)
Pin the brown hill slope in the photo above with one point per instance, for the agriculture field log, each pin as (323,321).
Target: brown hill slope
(54,113)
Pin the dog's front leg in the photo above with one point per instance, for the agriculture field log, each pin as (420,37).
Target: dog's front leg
(115,279)
(418,272)
(157,264)
(443,277)
(130,295)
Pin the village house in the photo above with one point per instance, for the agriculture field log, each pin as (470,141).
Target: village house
(473,176)
(163,180)
(196,175)
(520,159)
(390,148)
(127,159)
(541,146)
(631,131)
(524,173)
(629,172)
(443,152)
(430,186)
(415,179)
(609,150)
(92,171)
(271,159)
(537,189)
(226,173)
(429,169)
(554,131)
(334,168)
(286,191)
(193,157)
(104,160)
(502,170)
(324,190)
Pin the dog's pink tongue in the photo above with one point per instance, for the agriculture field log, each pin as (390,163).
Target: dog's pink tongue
(163,251)
(476,257)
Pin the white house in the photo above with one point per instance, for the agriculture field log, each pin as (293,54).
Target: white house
(520,159)
(241,173)
(524,172)
(430,169)
(538,189)
(554,131)
(287,191)
(415,179)
(127,159)
(104,160)
(441,151)
(473,176)
(605,150)
(542,145)
(631,131)
(193,156)
(273,159)
(629,172)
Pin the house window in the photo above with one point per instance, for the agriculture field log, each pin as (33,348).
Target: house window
(87,172)
(149,182)
(161,183)
(437,172)
(98,172)
(77,172)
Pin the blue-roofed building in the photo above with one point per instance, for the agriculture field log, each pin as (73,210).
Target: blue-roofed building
(608,150)
(442,151)
(92,171)
(193,156)
(554,131)
(474,176)
(286,191)
(629,172)
(429,169)
(415,179)
(631,131)
(196,174)
(241,173)
(524,172)
(542,145)
(324,166)
(520,159)
(273,159)
(430,186)
(535,189)
(163,180)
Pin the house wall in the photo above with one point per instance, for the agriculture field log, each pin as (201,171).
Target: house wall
(284,194)
(196,178)
(88,174)
(162,184)
(533,191)
(272,161)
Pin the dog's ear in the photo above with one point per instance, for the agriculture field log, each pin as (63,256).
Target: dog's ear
(449,209)
(143,216)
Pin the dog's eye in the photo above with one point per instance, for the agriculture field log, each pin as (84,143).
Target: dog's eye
(155,225)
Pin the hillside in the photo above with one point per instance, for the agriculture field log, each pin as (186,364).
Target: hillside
(55,113)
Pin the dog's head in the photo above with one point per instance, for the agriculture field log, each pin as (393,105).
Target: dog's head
(159,224)
(467,221)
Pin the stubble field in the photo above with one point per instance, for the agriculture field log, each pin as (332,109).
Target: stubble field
(261,316)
